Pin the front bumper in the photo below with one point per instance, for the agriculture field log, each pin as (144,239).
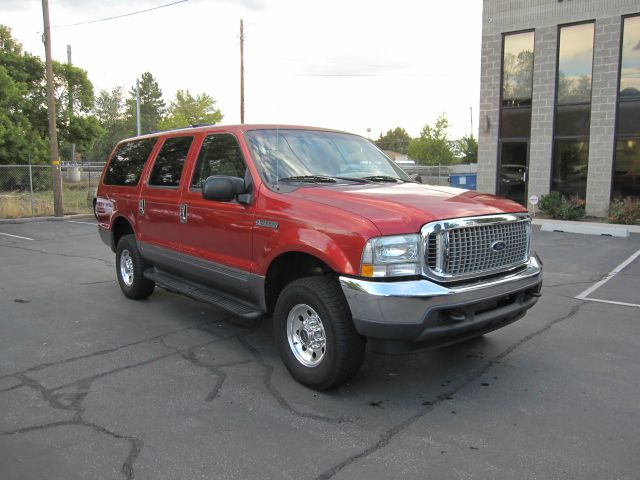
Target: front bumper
(428,314)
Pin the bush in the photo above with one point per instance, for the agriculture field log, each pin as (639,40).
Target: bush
(625,211)
(559,207)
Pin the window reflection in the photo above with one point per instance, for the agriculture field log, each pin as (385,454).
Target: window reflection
(630,64)
(517,69)
(575,61)
(626,180)
(570,168)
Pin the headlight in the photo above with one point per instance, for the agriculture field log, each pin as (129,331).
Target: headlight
(393,256)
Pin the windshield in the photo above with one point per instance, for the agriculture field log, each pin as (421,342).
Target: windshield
(307,154)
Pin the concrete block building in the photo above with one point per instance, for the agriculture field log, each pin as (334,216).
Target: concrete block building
(560,100)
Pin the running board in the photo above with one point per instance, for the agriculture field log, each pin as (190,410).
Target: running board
(204,294)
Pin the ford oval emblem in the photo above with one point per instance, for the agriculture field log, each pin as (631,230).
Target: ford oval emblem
(498,246)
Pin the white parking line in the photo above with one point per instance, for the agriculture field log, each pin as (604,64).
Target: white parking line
(86,223)
(610,275)
(16,236)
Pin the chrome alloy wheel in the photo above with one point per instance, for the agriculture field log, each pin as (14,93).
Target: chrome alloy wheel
(126,267)
(306,336)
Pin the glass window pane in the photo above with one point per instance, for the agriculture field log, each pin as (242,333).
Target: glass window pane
(515,123)
(570,168)
(629,118)
(573,120)
(630,65)
(127,162)
(575,59)
(517,69)
(167,168)
(219,155)
(626,179)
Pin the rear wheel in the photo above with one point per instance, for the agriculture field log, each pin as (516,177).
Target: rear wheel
(316,337)
(130,267)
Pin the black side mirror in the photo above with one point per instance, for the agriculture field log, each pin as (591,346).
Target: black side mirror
(222,188)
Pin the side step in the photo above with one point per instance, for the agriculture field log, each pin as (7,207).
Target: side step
(204,294)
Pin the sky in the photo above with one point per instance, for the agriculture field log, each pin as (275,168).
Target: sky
(352,65)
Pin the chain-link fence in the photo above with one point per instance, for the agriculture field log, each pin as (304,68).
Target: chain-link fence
(27,190)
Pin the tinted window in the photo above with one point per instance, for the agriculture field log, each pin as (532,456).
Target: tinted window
(220,155)
(517,69)
(168,166)
(128,161)
(570,168)
(515,122)
(575,59)
(573,120)
(630,64)
(626,180)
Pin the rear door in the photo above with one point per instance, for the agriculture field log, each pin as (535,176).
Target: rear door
(217,236)
(159,203)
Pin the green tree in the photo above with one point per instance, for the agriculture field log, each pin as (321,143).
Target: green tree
(152,105)
(109,109)
(188,110)
(23,118)
(466,149)
(74,103)
(432,147)
(396,140)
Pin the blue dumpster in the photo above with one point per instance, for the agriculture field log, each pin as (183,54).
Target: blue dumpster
(463,180)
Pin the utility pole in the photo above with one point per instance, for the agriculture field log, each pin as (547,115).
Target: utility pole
(138,106)
(73,145)
(241,71)
(51,103)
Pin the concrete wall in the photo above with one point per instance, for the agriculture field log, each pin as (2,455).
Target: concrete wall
(505,16)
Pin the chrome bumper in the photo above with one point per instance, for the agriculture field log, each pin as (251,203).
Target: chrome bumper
(420,310)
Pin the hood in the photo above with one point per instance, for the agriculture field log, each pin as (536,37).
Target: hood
(405,207)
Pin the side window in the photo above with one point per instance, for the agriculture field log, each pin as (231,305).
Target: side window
(167,169)
(220,155)
(127,162)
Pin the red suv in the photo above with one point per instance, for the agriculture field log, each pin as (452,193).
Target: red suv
(319,229)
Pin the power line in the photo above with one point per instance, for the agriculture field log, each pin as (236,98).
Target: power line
(120,16)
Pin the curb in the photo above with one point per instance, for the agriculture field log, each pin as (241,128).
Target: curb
(44,219)
(586,228)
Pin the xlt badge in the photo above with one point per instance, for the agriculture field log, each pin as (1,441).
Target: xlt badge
(267,223)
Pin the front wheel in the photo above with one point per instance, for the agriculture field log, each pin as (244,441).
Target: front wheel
(316,337)
(130,267)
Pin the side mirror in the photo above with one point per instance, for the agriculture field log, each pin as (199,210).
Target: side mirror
(222,188)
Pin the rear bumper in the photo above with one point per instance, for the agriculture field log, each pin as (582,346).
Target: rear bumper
(428,314)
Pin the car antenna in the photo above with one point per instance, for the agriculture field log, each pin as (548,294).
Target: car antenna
(277,159)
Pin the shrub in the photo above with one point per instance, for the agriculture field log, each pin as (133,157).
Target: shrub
(625,211)
(559,207)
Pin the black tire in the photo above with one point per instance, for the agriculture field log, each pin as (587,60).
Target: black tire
(95,212)
(344,348)
(134,286)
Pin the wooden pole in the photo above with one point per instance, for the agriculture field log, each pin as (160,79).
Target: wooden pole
(51,102)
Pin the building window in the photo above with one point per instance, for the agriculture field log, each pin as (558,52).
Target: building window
(515,114)
(573,110)
(626,177)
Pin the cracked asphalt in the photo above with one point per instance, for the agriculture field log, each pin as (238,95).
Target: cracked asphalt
(96,386)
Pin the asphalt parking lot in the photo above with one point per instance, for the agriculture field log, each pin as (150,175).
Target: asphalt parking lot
(93,385)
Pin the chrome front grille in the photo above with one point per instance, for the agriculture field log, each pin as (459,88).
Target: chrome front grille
(472,247)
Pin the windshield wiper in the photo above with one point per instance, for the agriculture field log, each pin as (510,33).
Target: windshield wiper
(308,179)
(382,178)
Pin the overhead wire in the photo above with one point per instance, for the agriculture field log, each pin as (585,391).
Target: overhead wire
(119,16)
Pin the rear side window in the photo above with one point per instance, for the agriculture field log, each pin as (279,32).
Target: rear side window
(167,168)
(220,155)
(128,161)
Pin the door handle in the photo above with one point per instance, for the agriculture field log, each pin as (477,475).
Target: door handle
(183,213)
(141,206)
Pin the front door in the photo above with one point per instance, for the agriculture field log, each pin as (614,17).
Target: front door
(514,171)
(216,236)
